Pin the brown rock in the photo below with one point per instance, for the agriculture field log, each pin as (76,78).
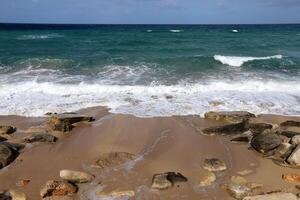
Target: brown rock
(237,191)
(229,129)
(232,117)
(113,159)
(291,123)
(291,178)
(7,129)
(265,142)
(40,137)
(257,128)
(208,179)
(22,183)
(17,195)
(214,165)
(57,188)
(166,180)
(7,155)
(75,176)
(283,151)
(294,158)
(273,196)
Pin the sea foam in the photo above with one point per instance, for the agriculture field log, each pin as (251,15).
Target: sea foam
(237,61)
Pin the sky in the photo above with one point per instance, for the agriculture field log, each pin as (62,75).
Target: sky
(150,11)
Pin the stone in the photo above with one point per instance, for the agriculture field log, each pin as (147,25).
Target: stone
(40,137)
(22,183)
(116,194)
(13,146)
(113,159)
(166,180)
(7,129)
(64,122)
(75,176)
(265,142)
(208,179)
(57,188)
(238,180)
(242,139)
(295,140)
(291,123)
(2,139)
(257,128)
(273,196)
(283,151)
(59,198)
(229,129)
(4,196)
(214,165)
(294,158)
(245,172)
(291,178)
(232,117)
(7,155)
(288,134)
(17,195)
(237,191)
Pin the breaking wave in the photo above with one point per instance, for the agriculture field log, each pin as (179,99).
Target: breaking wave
(237,61)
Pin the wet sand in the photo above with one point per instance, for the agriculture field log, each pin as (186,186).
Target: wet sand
(161,144)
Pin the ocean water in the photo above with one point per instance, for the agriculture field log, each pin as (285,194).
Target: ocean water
(150,70)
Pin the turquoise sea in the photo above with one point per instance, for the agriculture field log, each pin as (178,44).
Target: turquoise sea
(149,70)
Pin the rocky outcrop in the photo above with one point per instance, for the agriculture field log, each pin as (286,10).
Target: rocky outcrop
(265,142)
(257,128)
(7,129)
(7,155)
(113,159)
(214,165)
(40,137)
(75,176)
(229,129)
(166,180)
(294,158)
(273,196)
(291,123)
(232,117)
(57,188)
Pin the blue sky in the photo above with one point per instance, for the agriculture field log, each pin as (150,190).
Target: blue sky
(150,11)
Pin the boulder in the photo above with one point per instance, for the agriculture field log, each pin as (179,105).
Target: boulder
(166,180)
(283,151)
(288,134)
(113,159)
(208,179)
(228,129)
(257,128)
(116,194)
(17,195)
(7,129)
(242,139)
(214,165)
(291,178)
(40,137)
(232,117)
(296,140)
(7,155)
(64,122)
(291,123)
(4,196)
(2,139)
(14,146)
(294,158)
(237,191)
(75,176)
(273,196)
(57,188)
(265,142)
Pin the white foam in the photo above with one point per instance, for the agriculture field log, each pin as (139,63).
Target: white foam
(39,37)
(235,31)
(176,31)
(32,98)
(149,31)
(237,61)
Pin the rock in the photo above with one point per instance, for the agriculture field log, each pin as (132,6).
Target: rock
(208,179)
(257,128)
(13,146)
(59,198)
(232,117)
(7,155)
(294,158)
(238,191)
(17,195)
(254,186)
(113,159)
(57,188)
(2,139)
(296,140)
(242,139)
(22,183)
(214,165)
(283,151)
(265,142)
(166,180)
(273,196)
(238,180)
(7,129)
(244,172)
(75,176)
(291,123)
(64,122)
(40,137)
(288,134)
(291,178)
(229,129)
(4,196)
(116,194)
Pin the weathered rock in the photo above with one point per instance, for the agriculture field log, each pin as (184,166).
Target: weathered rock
(7,155)
(245,172)
(57,188)
(291,178)
(7,129)
(17,195)
(40,137)
(23,183)
(113,159)
(75,176)
(229,129)
(238,191)
(2,139)
(232,117)
(265,142)
(13,146)
(294,158)
(214,165)
(291,123)
(4,196)
(60,198)
(283,151)
(208,179)
(295,140)
(273,196)
(166,180)
(257,128)
(287,133)
(242,139)
(116,194)
(238,180)
(64,122)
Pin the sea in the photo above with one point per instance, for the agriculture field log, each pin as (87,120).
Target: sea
(149,70)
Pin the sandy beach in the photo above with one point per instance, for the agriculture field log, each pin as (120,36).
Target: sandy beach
(152,146)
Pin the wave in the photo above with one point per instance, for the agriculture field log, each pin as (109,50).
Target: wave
(149,31)
(39,37)
(235,31)
(34,98)
(176,31)
(237,61)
